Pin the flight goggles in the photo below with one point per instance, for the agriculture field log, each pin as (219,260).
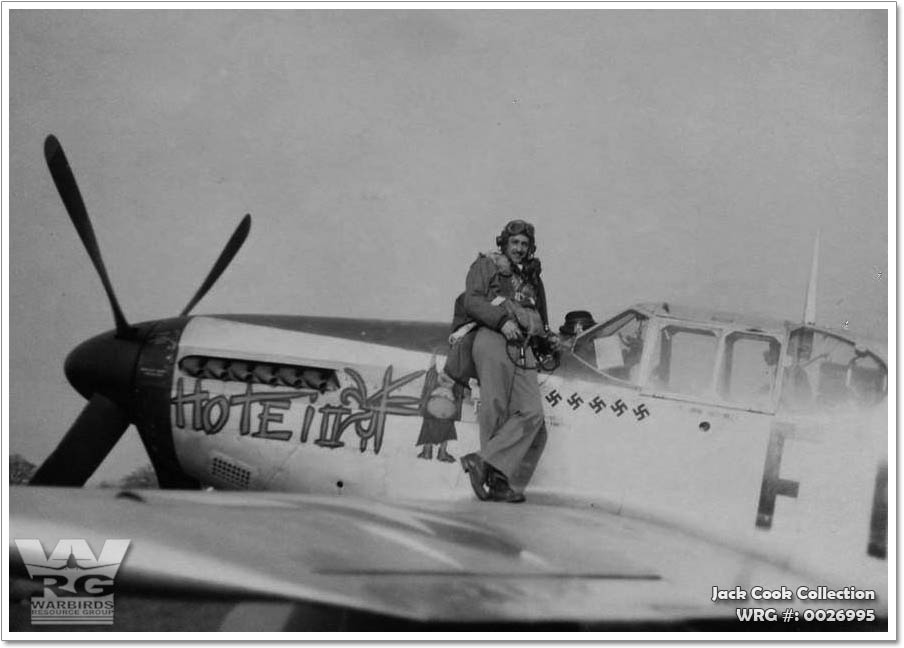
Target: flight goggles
(519,227)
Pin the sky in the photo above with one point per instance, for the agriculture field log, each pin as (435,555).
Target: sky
(688,156)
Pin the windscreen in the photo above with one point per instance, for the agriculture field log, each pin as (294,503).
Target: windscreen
(615,348)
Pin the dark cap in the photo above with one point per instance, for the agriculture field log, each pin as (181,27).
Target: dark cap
(576,318)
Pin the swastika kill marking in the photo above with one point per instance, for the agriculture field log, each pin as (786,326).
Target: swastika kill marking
(597,404)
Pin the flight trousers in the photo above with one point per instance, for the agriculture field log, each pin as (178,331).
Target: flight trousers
(510,417)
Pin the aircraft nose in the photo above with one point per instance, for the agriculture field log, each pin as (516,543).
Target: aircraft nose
(104,364)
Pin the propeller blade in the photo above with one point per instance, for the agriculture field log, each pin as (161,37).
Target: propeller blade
(72,199)
(232,247)
(170,476)
(85,446)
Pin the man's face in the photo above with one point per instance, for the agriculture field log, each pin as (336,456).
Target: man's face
(516,248)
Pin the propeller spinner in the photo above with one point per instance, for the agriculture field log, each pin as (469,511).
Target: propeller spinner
(102,369)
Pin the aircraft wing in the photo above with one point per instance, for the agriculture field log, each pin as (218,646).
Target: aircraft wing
(459,564)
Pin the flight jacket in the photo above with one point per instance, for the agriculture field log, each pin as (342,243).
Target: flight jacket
(491,276)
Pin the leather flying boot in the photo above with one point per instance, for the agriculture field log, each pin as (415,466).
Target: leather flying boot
(501,490)
(477,472)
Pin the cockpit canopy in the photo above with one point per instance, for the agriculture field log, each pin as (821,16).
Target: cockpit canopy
(730,360)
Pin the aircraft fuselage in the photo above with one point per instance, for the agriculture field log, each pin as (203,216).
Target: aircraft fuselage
(320,405)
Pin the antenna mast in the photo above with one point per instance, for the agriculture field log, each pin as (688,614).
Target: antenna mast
(810,305)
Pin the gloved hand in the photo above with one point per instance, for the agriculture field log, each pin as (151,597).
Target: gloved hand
(511,330)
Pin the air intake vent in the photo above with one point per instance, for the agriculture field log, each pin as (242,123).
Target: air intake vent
(230,473)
